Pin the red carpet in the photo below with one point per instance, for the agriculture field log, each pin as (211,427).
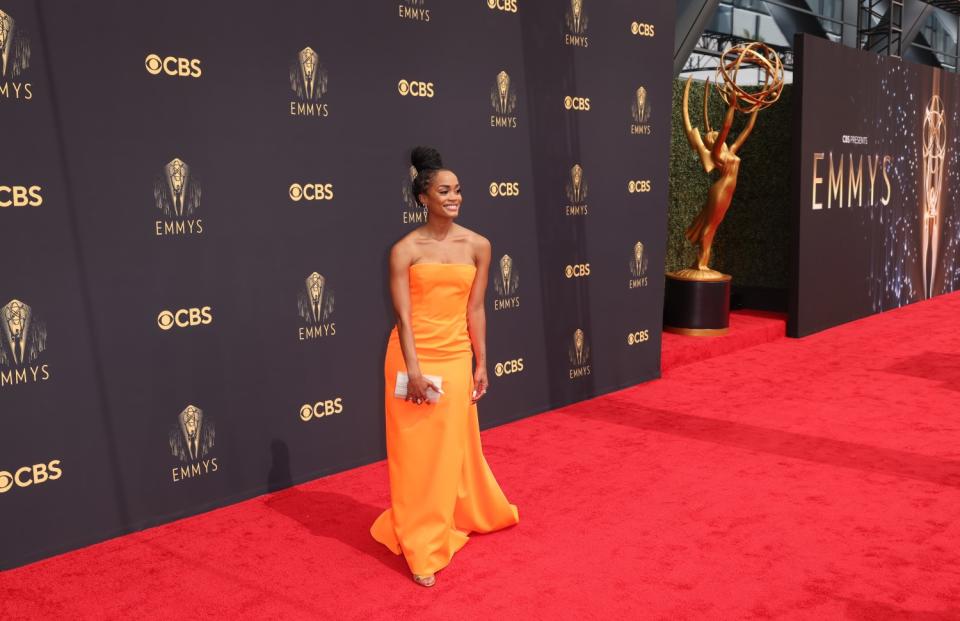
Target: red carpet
(747,328)
(810,479)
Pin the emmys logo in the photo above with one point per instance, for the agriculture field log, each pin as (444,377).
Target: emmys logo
(414,9)
(581,104)
(577,193)
(509,6)
(185,318)
(638,267)
(506,283)
(853,189)
(316,306)
(641,29)
(503,98)
(28,476)
(24,338)
(504,188)
(176,193)
(321,409)
(415,88)
(20,196)
(413,211)
(509,367)
(173,66)
(579,353)
(191,440)
(640,109)
(576,25)
(14,59)
(577,270)
(310,192)
(308,81)
(635,338)
(638,186)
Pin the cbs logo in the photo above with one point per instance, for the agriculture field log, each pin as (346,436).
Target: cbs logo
(503,5)
(320,409)
(577,270)
(641,29)
(415,88)
(576,103)
(30,475)
(185,317)
(635,338)
(642,185)
(509,367)
(506,188)
(311,192)
(172,65)
(20,196)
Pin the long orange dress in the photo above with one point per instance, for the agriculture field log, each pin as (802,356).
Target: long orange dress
(441,487)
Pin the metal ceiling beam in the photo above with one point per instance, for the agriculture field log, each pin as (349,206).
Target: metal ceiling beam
(692,19)
(915,16)
(850,36)
(790,21)
(953,6)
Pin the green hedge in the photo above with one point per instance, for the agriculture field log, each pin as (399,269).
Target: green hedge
(752,242)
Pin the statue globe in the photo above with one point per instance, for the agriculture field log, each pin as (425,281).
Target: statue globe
(750,55)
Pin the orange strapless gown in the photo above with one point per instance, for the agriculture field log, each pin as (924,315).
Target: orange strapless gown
(441,487)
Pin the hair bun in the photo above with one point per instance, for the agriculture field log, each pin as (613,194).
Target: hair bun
(426,158)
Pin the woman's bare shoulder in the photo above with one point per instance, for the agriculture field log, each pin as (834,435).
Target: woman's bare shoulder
(475,239)
(404,247)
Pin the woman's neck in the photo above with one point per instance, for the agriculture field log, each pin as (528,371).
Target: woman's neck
(438,228)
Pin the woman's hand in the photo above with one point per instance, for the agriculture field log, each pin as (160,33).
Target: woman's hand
(417,386)
(480,384)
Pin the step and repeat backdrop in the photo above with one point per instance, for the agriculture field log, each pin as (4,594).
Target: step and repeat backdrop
(877,223)
(196,206)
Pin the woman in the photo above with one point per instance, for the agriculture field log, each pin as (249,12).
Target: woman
(441,487)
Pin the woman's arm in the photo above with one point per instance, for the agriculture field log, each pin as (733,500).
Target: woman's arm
(400,260)
(477,318)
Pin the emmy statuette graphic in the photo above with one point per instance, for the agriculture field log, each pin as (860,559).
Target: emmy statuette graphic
(308,68)
(698,298)
(934,156)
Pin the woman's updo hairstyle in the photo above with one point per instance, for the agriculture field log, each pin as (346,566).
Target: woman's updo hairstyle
(427,161)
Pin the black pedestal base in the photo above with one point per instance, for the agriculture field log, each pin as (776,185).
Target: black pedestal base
(697,307)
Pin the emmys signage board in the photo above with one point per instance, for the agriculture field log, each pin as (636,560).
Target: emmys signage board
(875,215)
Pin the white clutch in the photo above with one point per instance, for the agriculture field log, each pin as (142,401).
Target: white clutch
(400,392)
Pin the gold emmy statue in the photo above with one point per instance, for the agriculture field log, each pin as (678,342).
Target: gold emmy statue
(712,148)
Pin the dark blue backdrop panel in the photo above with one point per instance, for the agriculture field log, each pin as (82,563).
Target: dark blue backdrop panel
(204,169)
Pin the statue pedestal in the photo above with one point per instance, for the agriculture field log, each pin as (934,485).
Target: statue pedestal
(697,307)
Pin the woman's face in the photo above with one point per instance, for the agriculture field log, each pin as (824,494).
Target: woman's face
(442,199)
